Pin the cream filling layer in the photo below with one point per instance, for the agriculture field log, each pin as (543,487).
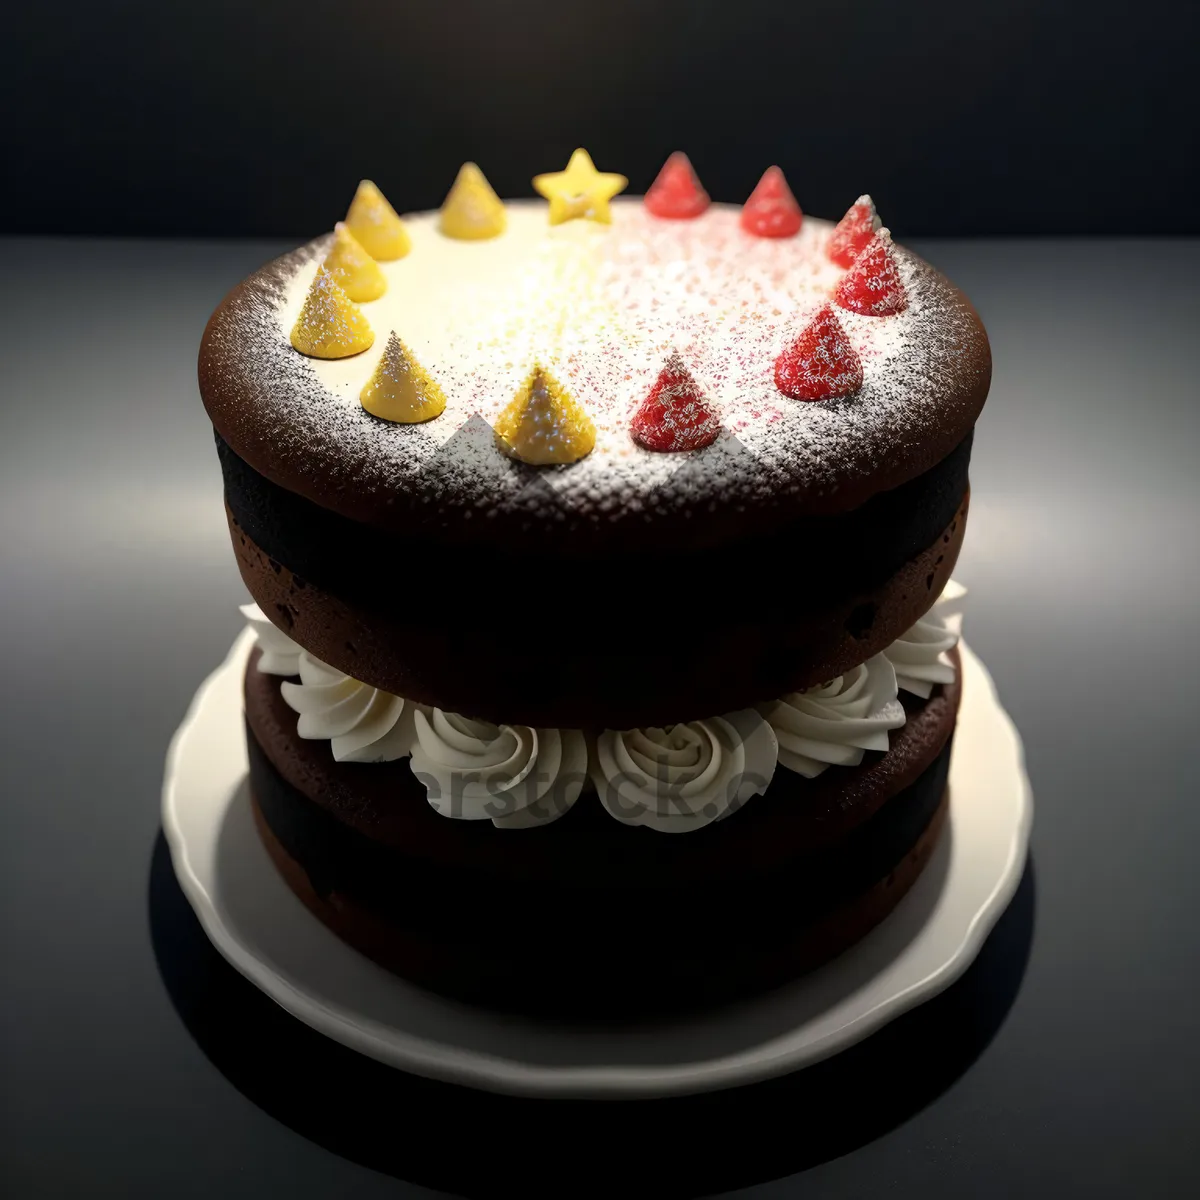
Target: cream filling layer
(671,779)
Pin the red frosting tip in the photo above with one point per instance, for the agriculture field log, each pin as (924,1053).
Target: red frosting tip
(772,211)
(853,233)
(677,193)
(675,415)
(872,286)
(821,363)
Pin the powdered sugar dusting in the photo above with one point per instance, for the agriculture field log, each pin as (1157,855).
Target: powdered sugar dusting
(601,307)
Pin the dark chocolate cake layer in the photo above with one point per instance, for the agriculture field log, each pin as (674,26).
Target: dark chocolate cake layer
(569,948)
(651,660)
(645,981)
(841,553)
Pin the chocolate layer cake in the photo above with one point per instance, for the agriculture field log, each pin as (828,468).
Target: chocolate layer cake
(590,524)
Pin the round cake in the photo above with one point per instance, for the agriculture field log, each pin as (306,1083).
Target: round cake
(576,524)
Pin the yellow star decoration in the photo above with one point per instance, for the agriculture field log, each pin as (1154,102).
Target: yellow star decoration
(580,190)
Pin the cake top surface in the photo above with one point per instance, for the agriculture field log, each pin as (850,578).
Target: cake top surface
(603,309)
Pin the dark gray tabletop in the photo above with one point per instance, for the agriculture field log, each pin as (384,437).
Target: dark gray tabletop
(1066,1062)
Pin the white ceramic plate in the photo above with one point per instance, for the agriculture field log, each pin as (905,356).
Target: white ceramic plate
(268,935)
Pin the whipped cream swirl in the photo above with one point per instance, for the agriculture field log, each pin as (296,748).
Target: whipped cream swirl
(920,656)
(836,723)
(683,777)
(361,723)
(514,775)
(280,655)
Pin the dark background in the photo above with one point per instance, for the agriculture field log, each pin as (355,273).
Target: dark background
(243,117)
(133,1060)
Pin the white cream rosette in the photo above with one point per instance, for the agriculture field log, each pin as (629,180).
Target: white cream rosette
(836,723)
(921,655)
(361,723)
(683,777)
(280,655)
(514,775)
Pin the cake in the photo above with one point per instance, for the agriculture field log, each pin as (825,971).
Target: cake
(600,556)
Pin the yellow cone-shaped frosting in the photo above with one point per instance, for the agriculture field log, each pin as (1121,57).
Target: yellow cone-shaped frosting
(352,268)
(374,223)
(401,389)
(580,190)
(543,424)
(330,324)
(472,211)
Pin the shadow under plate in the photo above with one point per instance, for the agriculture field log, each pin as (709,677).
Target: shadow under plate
(416,1129)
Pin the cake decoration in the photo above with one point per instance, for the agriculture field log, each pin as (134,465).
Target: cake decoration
(361,723)
(685,776)
(675,416)
(872,287)
(771,211)
(400,389)
(472,211)
(543,424)
(731,350)
(921,655)
(330,324)
(821,363)
(353,269)
(374,222)
(623,314)
(580,190)
(514,775)
(854,232)
(837,723)
(676,193)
